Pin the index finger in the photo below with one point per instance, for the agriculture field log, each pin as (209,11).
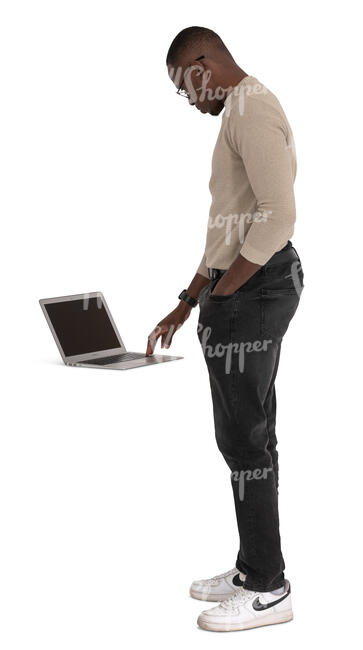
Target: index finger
(152,339)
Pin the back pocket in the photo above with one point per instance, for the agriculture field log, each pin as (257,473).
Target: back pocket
(278,307)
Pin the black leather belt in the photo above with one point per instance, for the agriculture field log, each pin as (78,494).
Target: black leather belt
(215,273)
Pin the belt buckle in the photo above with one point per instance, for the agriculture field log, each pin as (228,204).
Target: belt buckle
(213,273)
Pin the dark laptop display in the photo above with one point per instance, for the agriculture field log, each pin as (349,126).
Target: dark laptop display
(82,326)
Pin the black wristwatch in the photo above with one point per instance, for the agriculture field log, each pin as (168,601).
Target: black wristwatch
(184,296)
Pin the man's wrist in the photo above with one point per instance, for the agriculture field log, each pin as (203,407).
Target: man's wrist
(188,298)
(224,288)
(184,307)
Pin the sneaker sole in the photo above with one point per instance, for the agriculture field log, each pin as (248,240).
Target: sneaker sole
(210,598)
(272,619)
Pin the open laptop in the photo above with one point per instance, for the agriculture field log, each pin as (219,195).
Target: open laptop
(87,336)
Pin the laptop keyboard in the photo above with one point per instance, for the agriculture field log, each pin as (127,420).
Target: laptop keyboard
(126,356)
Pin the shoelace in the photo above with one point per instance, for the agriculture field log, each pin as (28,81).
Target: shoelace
(239,598)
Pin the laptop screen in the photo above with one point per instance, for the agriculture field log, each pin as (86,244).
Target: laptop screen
(82,326)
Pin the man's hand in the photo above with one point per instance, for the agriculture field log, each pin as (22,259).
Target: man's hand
(238,273)
(168,326)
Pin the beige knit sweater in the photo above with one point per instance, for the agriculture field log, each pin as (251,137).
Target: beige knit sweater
(253,173)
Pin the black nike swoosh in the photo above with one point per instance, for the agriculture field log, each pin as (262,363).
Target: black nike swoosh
(259,606)
(237,581)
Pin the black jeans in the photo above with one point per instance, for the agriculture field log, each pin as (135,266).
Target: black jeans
(241,336)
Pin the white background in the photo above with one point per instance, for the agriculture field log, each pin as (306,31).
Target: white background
(114,496)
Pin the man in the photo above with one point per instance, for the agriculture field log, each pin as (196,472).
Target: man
(248,285)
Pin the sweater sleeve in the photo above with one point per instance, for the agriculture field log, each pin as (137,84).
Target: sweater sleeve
(259,136)
(202,268)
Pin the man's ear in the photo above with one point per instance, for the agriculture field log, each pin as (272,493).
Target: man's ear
(201,65)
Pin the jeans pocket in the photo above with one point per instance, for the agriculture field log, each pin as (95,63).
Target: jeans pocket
(221,298)
(203,292)
(278,307)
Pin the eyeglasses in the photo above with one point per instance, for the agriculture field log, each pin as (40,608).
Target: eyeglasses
(181,91)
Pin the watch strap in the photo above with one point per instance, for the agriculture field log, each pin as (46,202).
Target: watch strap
(188,299)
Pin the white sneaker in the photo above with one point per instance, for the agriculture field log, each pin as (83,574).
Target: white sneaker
(218,588)
(247,609)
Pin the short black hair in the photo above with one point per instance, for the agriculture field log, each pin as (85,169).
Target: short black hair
(189,37)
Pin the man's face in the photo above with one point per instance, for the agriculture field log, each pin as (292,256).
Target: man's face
(195,81)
